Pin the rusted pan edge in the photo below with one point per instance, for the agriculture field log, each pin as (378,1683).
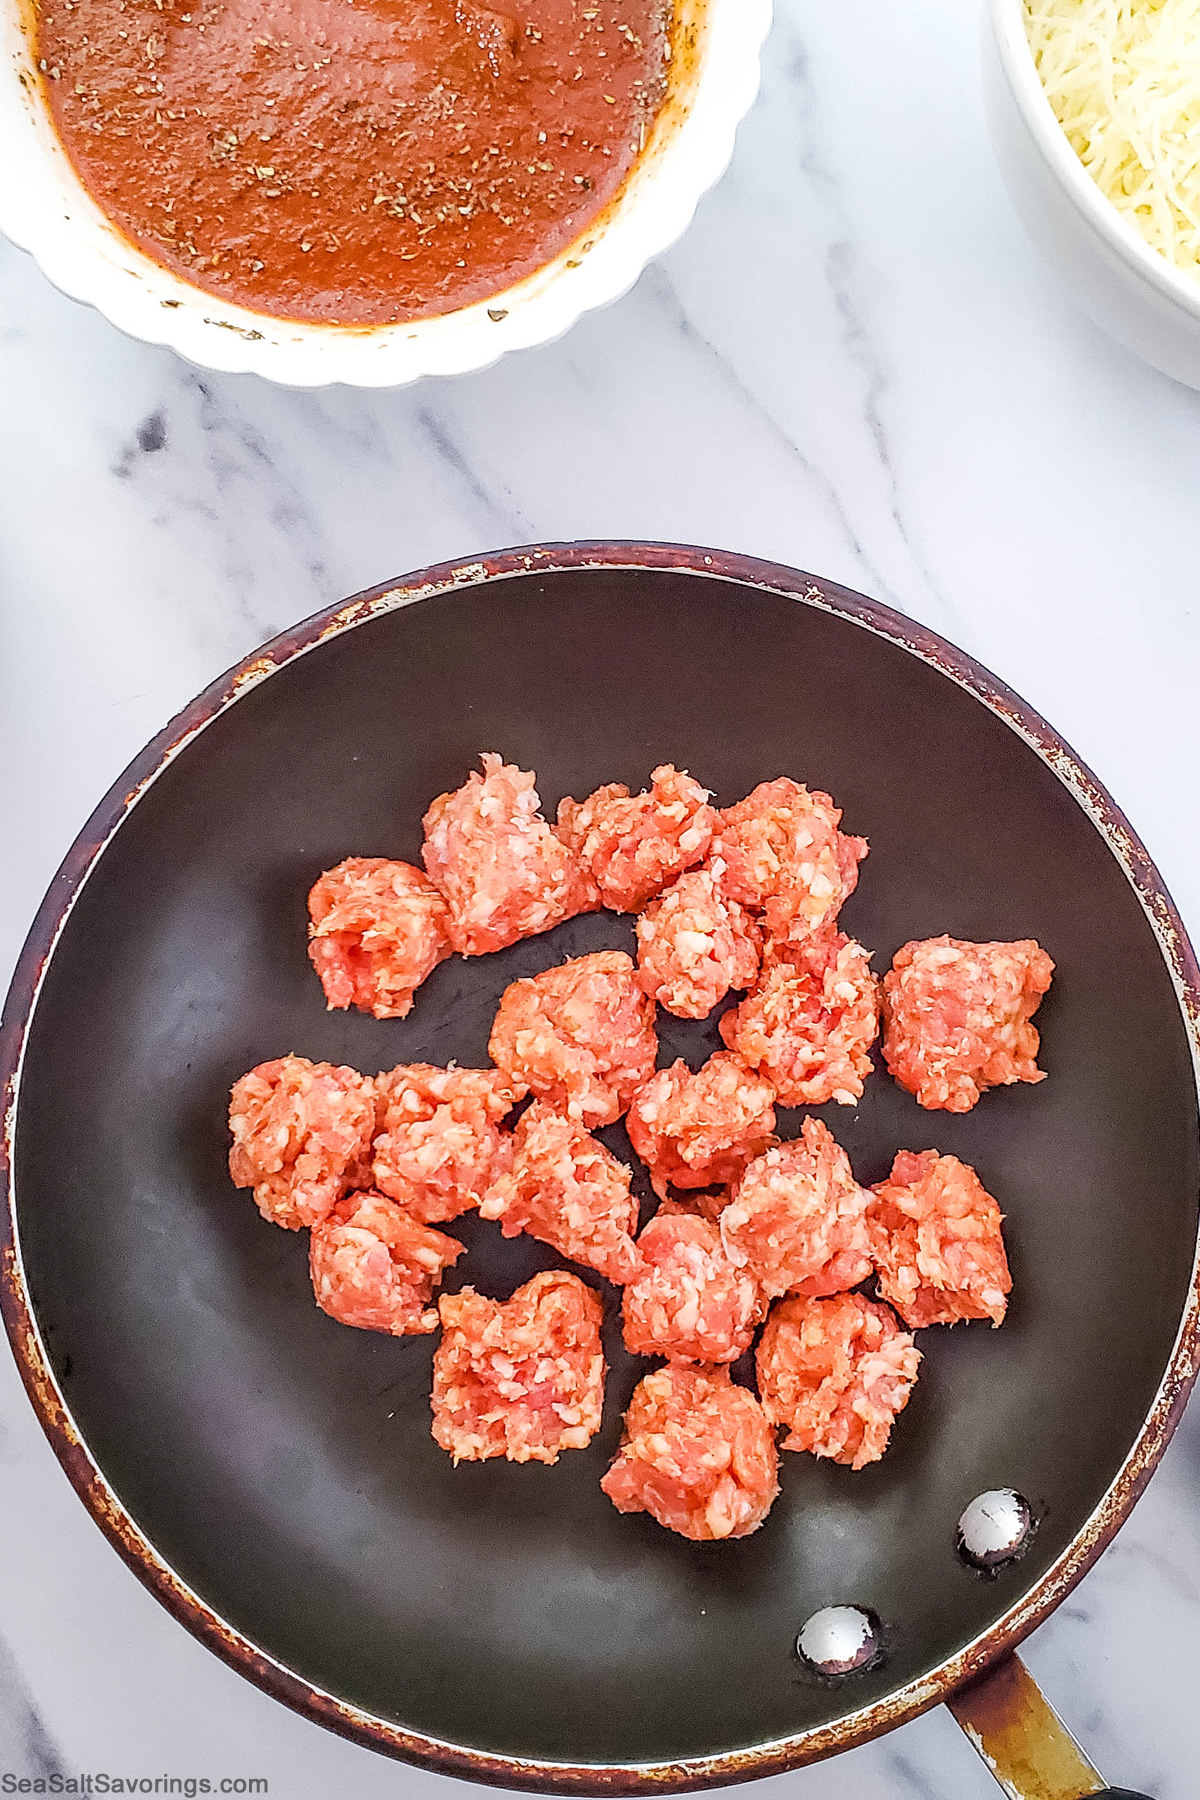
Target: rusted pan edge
(105,1506)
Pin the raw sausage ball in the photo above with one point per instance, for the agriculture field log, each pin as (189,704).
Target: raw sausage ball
(690,1302)
(580,1036)
(694,945)
(697,1454)
(375,1267)
(836,1372)
(522,1378)
(634,846)
(378,929)
(440,1146)
(504,873)
(785,857)
(700,1130)
(568,1190)
(301,1137)
(956,1018)
(797,1218)
(809,1025)
(937,1242)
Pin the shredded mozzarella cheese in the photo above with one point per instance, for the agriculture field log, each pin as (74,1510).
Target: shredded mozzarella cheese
(1123,77)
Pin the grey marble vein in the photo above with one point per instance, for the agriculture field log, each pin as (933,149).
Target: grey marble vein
(28,1746)
(912,1781)
(658,283)
(844,277)
(496,510)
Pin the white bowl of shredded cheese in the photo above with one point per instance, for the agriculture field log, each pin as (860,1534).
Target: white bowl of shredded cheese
(1094,108)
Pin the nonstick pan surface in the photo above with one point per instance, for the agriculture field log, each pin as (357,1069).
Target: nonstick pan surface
(271,1472)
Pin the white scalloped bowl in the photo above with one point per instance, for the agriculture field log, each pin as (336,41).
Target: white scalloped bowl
(45,208)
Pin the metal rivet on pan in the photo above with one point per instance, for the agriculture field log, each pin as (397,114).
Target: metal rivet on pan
(994,1528)
(839,1639)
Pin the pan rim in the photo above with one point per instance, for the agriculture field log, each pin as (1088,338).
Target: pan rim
(99,1496)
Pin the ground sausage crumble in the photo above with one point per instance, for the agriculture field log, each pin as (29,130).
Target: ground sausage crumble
(836,1372)
(694,945)
(937,1242)
(377,930)
(797,1218)
(956,1018)
(520,1378)
(567,1189)
(697,1454)
(375,1267)
(440,1146)
(502,871)
(689,1301)
(580,1036)
(698,1130)
(301,1137)
(633,846)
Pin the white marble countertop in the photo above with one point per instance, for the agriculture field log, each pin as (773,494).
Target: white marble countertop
(852,363)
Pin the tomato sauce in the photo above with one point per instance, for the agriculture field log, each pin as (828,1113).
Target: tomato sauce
(353,161)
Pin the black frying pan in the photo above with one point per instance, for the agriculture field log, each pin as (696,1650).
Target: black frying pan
(271,1474)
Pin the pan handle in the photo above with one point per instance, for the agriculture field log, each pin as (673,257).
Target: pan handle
(1023,1741)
